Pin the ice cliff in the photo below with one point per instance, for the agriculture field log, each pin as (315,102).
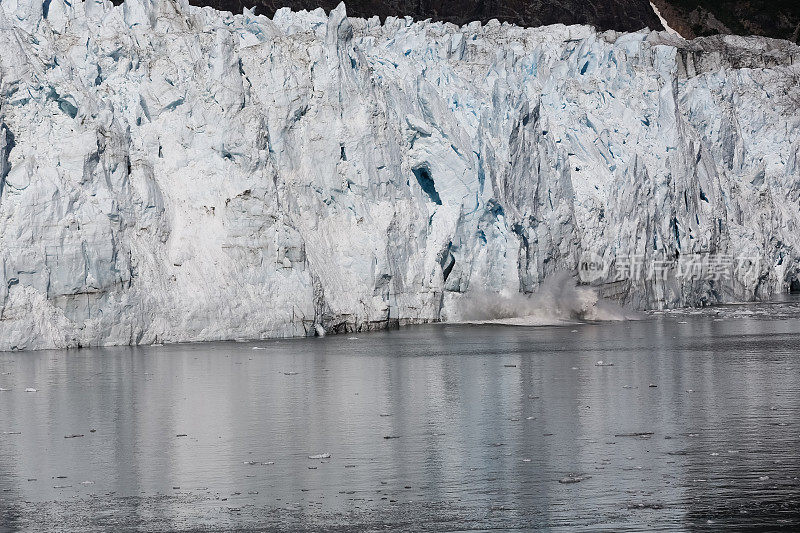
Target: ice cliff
(172,173)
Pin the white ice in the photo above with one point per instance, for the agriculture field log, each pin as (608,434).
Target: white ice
(171,173)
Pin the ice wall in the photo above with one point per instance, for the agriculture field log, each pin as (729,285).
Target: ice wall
(171,173)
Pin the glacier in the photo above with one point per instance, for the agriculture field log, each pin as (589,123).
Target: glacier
(171,173)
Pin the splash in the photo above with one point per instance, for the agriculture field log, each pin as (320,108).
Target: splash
(560,300)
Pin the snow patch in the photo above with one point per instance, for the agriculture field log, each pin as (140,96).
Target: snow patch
(667,27)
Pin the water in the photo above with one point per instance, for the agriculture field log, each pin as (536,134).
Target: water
(492,427)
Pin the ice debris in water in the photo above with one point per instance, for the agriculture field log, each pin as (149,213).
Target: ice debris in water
(638,434)
(574,478)
(320,456)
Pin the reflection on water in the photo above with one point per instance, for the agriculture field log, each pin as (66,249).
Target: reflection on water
(691,421)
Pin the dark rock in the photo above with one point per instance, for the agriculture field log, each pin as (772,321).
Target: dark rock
(779,19)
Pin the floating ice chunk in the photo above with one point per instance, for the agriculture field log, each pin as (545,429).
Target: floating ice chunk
(648,505)
(320,456)
(638,434)
(574,478)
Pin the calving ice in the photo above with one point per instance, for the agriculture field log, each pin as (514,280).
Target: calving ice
(178,173)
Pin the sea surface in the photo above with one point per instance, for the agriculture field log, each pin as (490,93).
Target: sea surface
(679,421)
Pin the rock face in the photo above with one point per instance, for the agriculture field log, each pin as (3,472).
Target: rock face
(171,173)
(770,18)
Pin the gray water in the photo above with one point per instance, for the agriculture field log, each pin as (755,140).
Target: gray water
(492,427)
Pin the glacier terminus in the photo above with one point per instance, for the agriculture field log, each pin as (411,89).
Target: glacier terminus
(171,173)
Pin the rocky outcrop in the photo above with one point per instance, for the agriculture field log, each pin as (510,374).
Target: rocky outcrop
(778,19)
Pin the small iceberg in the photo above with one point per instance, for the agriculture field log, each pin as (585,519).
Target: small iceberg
(574,478)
